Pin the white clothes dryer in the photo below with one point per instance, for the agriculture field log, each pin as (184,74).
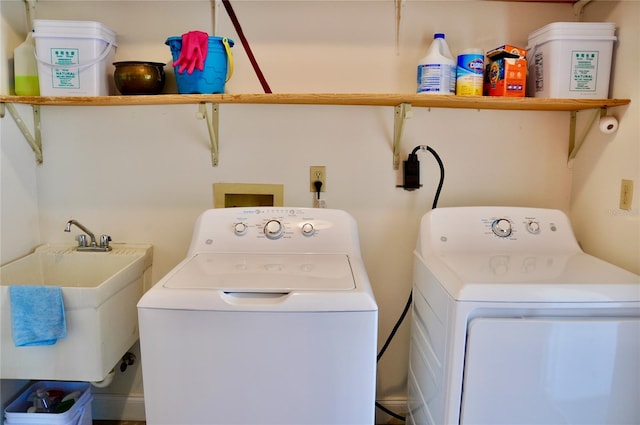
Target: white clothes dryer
(270,319)
(514,324)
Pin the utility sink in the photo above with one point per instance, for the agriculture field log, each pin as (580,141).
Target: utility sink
(100,291)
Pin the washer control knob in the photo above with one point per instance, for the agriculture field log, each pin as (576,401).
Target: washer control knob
(308,229)
(240,229)
(273,229)
(533,227)
(501,227)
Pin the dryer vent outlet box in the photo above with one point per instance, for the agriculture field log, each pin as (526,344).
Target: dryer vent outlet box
(229,195)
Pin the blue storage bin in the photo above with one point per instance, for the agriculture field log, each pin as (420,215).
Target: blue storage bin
(218,67)
(79,414)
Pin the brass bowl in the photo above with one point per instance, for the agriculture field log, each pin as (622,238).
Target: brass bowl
(139,77)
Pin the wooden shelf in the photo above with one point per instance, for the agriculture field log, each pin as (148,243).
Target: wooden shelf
(356,99)
(402,104)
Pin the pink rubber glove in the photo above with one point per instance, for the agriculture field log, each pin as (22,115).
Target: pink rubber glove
(193,52)
(189,53)
(202,38)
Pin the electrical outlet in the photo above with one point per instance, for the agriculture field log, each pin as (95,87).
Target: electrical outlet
(626,194)
(317,173)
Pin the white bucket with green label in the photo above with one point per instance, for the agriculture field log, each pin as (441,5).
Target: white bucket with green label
(570,60)
(74,57)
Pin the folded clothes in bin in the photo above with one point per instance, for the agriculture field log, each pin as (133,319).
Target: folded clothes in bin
(37,315)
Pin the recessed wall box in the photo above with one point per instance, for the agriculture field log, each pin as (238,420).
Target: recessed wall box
(226,195)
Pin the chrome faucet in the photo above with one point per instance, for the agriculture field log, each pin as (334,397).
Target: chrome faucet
(92,246)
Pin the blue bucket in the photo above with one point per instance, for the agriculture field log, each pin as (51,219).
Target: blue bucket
(218,67)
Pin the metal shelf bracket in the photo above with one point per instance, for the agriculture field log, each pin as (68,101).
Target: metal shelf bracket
(35,139)
(578,7)
(401,113)
(576,144)
(212,126)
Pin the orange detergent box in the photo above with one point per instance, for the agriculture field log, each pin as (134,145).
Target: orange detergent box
(506,72)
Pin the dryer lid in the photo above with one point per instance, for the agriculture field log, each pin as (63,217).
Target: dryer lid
(247,272)
(533,277)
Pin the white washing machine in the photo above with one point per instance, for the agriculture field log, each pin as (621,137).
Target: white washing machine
(514,324)
(270,319)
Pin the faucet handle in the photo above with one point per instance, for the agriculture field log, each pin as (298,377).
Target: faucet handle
(82,240)
(104,240)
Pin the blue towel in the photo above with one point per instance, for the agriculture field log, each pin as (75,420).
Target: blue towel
(37,315)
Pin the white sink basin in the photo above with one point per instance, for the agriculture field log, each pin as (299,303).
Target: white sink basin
(100,291)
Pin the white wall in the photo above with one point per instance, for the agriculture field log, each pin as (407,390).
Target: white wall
(603,229)
(143,174)
(19,229)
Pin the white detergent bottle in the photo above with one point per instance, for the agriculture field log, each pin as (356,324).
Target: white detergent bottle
(25,68)
(437,70)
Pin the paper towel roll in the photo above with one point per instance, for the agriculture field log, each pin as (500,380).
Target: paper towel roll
(608,124)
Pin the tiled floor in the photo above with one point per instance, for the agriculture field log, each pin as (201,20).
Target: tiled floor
(103,422)
(96,422)
(118,422)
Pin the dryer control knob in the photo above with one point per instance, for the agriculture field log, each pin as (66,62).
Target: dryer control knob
(501,227)
(240,229)
(308,229)
(273,229)
(533,227)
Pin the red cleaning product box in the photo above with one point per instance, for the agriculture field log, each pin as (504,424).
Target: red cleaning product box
(506,72)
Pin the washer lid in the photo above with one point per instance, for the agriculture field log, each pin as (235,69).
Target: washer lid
(246,272)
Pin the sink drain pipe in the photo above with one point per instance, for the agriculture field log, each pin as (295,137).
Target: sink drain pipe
(106,381)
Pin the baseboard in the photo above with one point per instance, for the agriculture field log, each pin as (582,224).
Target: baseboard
(118,407)
(396,405)
(131,408)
